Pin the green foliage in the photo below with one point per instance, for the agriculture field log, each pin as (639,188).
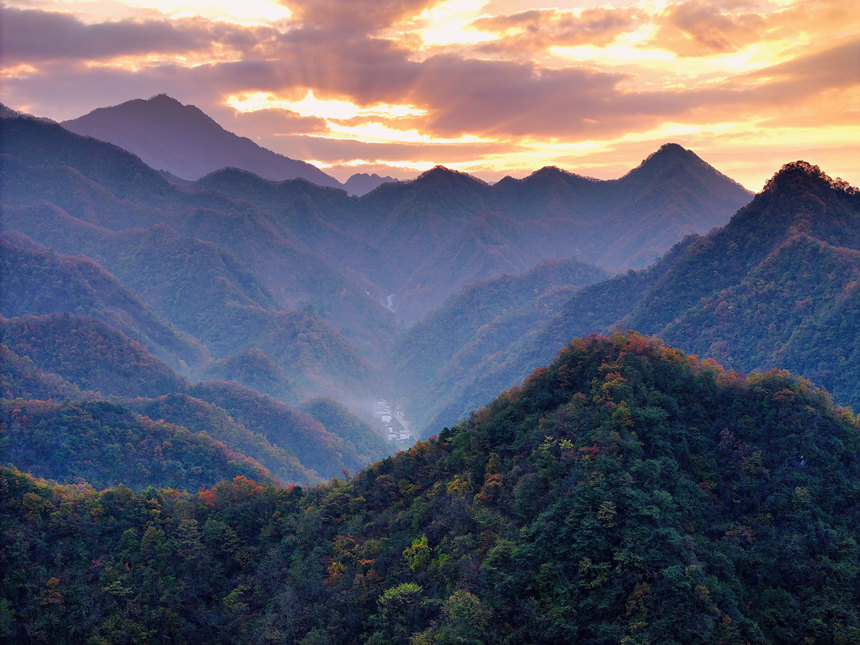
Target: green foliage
(638,495)
(90,354)
(104,444)
(337,419)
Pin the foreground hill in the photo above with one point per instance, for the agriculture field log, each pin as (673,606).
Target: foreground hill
(776,287)
(625,493)
(184,141)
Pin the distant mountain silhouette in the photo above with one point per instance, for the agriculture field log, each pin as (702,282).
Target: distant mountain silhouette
(362,183)
(446,228)
(186,142)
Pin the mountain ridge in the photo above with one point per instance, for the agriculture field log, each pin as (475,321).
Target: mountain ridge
(186,142)
(695,296)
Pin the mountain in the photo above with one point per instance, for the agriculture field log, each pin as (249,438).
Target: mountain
(775,287)
(50,164)
(445,229)
(104,444)
(255,369)
(626,492)
(199,416)
(184,141)
(337,419)
(362,183)
(90,354)
(473,327)
(38,281)
(61,356)
(295,431)
(631,221)
(316,287)
(405,246)
(21,379)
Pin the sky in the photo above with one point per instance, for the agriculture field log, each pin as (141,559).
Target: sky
(489,87)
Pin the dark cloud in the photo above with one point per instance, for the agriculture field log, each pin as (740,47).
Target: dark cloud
(539,29)
(498,97)
(701,28)
(34,36)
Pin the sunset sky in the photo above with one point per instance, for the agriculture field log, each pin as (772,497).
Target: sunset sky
(488,87)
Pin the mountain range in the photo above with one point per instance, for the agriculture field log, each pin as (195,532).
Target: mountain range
(775,287)
(185,142)
(302,290)
(185,363)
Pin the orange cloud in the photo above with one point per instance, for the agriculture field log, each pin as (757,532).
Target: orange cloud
(700,28)
(550,82)
(539,29)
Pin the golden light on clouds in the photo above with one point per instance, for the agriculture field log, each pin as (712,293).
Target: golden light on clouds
(310,105)
(246,12)
(486,86)
(449,23)
(376,132)
(346,120)
(376,165)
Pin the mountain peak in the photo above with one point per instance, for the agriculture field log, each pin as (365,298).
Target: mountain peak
(549,171)
(163,99)
(442,173)
(669,153)
(185,141)
(362,183)
(671,159)
(803,173)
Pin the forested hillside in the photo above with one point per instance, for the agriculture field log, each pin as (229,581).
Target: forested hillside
(625,493)
(299,291)
(201,382)
(776,287)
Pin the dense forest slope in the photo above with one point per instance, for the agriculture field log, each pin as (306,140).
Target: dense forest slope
(90,354)
(776,287)
(80,361)
(105,444)
(625,493)
(453,343)
(37,281)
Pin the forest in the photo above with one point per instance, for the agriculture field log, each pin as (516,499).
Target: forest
(546,410)
(625,493)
